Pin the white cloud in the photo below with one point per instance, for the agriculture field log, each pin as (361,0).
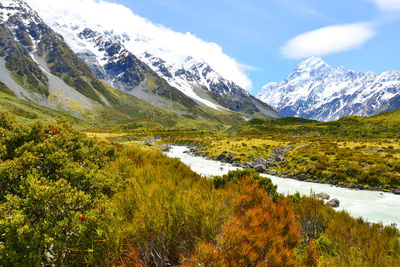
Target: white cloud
(164,41)
(328,40)
(388,5)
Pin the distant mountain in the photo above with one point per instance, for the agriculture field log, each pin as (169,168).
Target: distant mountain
(314,90)
(125,60)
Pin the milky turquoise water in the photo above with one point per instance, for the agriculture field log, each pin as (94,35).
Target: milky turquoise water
(371,205)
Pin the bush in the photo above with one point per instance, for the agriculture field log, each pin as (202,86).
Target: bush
(51,180)
(66,199)
(237,175)
(260,233)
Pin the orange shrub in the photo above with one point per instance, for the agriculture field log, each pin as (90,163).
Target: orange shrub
(260,233)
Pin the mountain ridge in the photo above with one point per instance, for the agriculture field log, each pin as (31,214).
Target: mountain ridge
(38,66)
(193,77)
(315,90)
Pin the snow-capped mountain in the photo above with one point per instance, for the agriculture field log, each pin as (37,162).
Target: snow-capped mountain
(317,91)
(27,45)
(37,65)
(103,47)
(106,55)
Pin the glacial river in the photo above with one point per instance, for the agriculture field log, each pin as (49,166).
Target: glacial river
(373,206)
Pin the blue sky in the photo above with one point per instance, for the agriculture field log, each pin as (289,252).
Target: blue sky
(270,37)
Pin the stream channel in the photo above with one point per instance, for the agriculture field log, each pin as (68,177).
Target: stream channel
(373,206)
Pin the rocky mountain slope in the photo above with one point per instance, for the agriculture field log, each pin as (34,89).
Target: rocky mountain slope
(37,65)
(317,91)
(121,58)
(391,105)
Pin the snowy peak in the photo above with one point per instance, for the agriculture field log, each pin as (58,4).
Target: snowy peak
(57,78)
(317,91)
(24,23)
(113,51)
(312,63)
(313,67)
(17,10)
(12,5)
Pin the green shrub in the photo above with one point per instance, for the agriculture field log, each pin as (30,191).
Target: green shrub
(235,176)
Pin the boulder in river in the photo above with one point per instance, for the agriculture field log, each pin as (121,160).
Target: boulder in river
(248,164)
(323,196)
(396,191)
(236,163)
(334,203)
(260,168)
(231,155)
(360,187)
(351,185)
(260,160)
(166,148)
(221,157)
(301,176)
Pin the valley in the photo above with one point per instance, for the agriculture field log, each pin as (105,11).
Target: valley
(373,206)
(125,143)
(353,152)
(98,202)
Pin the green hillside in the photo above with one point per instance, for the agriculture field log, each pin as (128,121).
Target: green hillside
(129,112)
(385,125)
(355,152)
(70,200)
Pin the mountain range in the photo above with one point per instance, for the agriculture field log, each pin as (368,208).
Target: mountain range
(88,70)
(315,90)
(62,61)
(105,51)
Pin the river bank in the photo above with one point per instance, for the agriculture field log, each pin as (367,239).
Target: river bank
(373,206)
(263,165)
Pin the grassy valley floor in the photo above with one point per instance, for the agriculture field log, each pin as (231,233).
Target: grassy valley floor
(356,152)
(67,199)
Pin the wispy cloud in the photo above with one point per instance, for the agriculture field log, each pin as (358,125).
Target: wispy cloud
(387,5)
(299,7)
(245,67)
(328,40)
